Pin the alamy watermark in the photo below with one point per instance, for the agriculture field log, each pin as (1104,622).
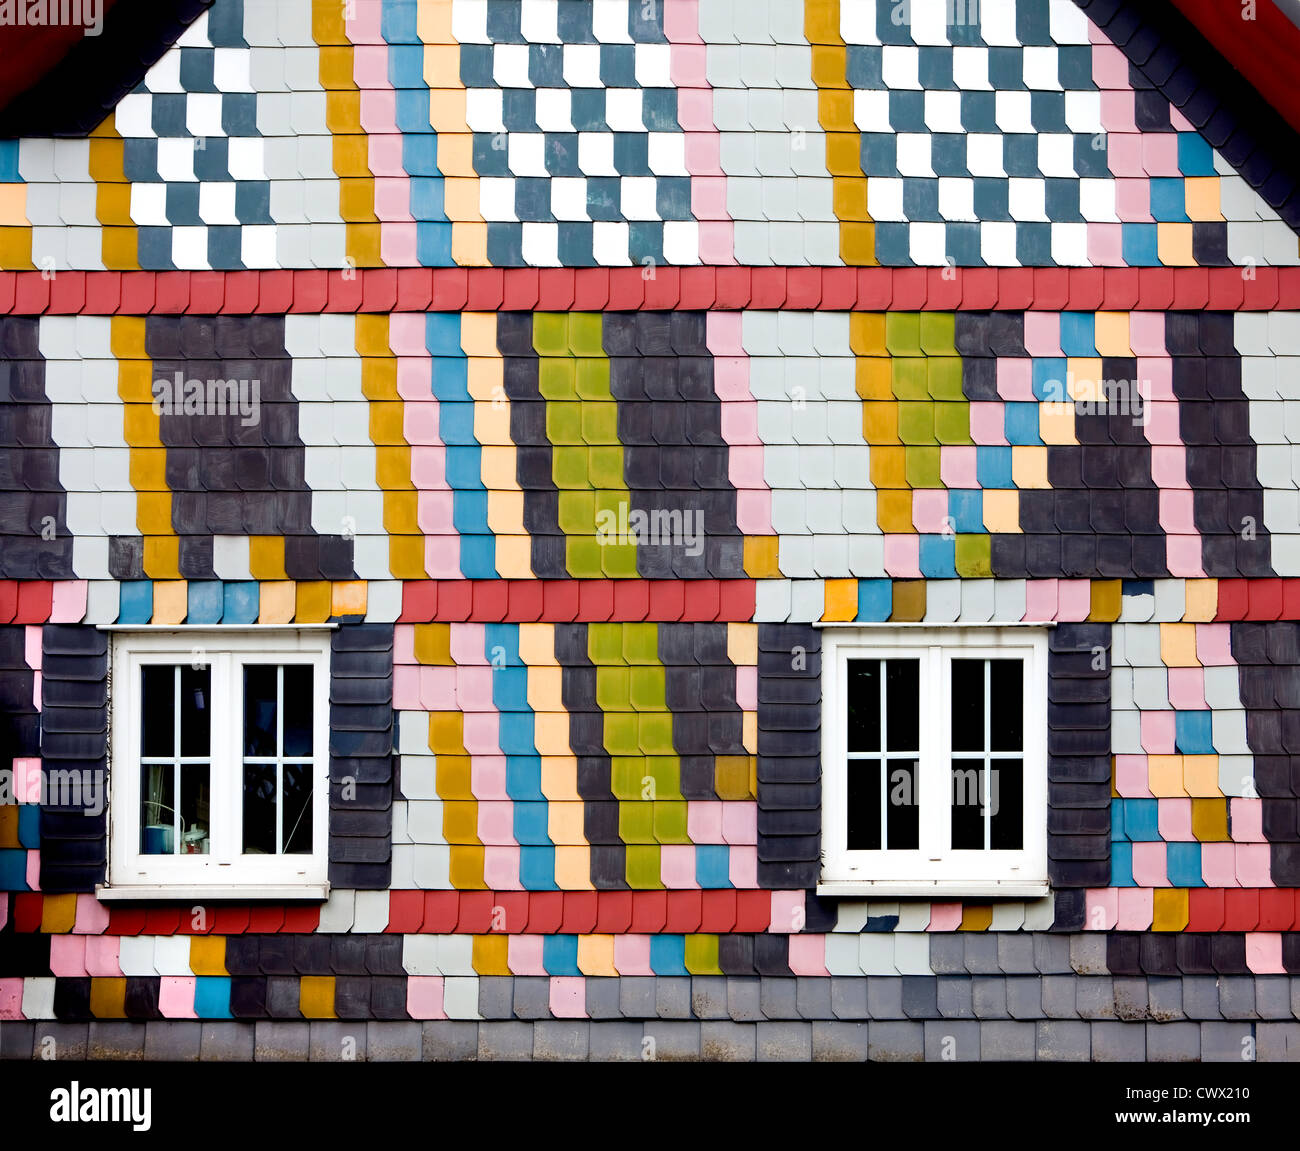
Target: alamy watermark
(181,397)
(1093,397)
(87,14)
(655,527)
(84,788)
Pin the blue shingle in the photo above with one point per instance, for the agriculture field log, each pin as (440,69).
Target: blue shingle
(993,467)
(875,600)
(1078,334)
(938,557)
(1140,245)
(966,507)
(537,867)
(1121,865)
(1021,422)
(668,955)
(713,865)
(1193,733)
(1183,864)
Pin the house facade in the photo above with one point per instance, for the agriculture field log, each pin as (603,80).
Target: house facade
(651,530)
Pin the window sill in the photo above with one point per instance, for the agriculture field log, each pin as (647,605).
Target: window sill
(179,892)
(934,889)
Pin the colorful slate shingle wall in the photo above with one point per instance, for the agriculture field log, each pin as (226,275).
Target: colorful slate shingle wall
(601,353)
(489,132)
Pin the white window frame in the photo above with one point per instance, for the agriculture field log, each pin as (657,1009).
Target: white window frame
(935,869)
(224,872)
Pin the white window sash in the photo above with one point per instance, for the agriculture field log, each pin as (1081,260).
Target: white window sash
(935,867)
(225,866)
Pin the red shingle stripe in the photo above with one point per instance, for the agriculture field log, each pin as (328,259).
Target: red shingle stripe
(718,911)
(803,288)
(379,290)
(767,288)
(733,287)
(31,293)
(311,291)
(485,289)
(839,287)
(1277,909)
(414,289)
(68,293)
(613,912)
(231,919)
(1240,909)
(1260,288)
(34,600)
(1122,289)
(475,912)
(1234,598)
(1227,289)
(27,909)
(419,601)
(383,290)
(581,909)
(1265,598)
(590,289)
(649,911)
(450,290)
(441,911)
(1087,289)
(1192,292)
(545,911)
(510,912)
(699,288)
(8,600)
(521,290)
(526,601)
(753,910)
(265,919)
(943,288)
(685,912)
(275,292)
(1288,288)
(1204,908)
(405,912)
(490,601)
(662,288)
(555,289)
(207,292)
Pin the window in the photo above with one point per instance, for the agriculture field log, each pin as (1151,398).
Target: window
(934,761)
(219,775)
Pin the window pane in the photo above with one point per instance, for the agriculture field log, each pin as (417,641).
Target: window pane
(902,704)
(158,710)
(1007,805)
(903,812)
(967,706)
(259,809)
(157,806)
(194,809)
(864,704)
(864,805)
(968,805)
(259,709)
(1007,689)
(297,808)
(297,710)
(196,692)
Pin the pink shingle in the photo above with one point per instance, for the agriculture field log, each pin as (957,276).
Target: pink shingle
(1150,869)
(569,997)
(1101,909)
(424,997)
